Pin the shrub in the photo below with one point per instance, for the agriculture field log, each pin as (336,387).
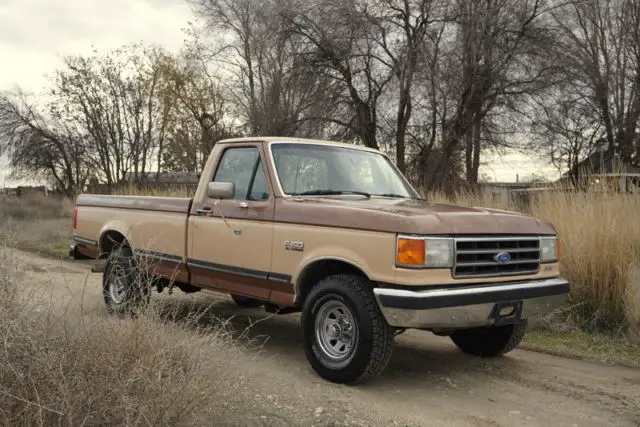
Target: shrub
(68,368)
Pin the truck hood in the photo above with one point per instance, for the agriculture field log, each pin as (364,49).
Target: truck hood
(405,216)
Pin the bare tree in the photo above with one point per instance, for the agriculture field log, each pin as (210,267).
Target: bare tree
(41,148)
(115,99)
(274,94)
(339,38)
(599,45)
(568,129)
(200,114)
(403,26)
(496,62)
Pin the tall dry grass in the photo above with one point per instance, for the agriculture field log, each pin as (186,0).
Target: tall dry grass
(34,207)
(76,368)
(36,223)
(600,254)
(600,249)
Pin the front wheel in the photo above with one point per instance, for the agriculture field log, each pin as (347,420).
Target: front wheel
(347,339)
(490,341)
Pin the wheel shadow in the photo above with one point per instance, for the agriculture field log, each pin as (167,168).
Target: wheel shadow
(418,355)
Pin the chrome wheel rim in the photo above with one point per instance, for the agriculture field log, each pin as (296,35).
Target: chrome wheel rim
(117,287)
(336,330)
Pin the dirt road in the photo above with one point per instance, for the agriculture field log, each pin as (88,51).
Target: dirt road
(428,382)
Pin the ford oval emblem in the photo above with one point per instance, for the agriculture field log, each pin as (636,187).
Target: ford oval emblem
(502,257)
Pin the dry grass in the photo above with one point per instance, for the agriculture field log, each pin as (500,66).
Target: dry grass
(37,223)
(587,346)
(600,255)
(34,208)
(50,237)
(61,368)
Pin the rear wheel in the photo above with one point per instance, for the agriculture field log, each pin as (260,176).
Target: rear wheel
(243,301)
(124,290)
(347,339)
(490,341)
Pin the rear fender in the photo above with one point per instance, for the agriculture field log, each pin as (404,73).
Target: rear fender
(114,226)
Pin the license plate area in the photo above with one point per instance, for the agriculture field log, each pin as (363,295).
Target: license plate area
(505,313)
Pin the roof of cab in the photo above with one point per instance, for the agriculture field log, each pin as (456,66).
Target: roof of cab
(279,139)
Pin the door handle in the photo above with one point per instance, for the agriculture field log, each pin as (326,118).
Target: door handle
(243,205)
(204,211)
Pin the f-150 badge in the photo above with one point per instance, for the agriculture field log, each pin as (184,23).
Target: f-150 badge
(293,245)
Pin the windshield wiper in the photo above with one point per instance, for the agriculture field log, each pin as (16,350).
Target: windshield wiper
(330,193)
(398,196)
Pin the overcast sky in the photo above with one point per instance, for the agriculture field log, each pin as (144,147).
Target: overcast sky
(35,34)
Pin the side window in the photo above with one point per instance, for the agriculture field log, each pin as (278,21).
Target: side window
(237,165)
(244,168)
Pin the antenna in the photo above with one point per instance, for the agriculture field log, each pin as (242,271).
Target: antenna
(217,208)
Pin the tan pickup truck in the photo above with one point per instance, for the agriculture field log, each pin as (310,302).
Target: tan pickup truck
(337,232)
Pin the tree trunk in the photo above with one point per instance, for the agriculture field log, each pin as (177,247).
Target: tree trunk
(400,150)
(475,166)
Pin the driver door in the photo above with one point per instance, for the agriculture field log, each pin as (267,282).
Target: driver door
(232,251)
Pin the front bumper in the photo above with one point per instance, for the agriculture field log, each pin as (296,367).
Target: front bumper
(471,306)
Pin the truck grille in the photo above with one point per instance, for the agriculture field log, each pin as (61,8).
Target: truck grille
(485,257)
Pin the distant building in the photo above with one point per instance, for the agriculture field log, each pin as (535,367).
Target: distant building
(602,166)
(517,194)
(26,191)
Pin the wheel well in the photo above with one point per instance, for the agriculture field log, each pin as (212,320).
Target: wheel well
(110,240)
(318,270)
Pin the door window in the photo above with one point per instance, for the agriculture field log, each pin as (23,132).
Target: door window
(243,167)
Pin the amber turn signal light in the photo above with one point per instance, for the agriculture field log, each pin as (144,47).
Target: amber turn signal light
(410,252)
(558,247)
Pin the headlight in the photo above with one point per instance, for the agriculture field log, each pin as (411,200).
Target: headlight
(430,252)
(549,249)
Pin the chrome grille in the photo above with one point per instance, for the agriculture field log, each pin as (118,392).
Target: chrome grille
(478,257)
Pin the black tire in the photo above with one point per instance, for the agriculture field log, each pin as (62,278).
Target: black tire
(132,293)
(370,349)
(490,341)
(243,301)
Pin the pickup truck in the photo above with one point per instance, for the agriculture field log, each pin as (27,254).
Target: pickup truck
(336,232)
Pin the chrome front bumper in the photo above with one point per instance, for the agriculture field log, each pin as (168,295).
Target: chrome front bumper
(471,306)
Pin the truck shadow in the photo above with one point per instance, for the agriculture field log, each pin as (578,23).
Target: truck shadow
(421,356)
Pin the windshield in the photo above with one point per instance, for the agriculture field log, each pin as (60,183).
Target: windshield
(311,169)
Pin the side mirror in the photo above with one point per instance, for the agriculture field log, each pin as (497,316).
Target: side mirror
(221,190)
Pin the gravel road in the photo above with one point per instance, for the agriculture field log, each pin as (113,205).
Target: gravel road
(428,382)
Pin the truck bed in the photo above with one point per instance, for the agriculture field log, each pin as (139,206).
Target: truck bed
(147,203)
(152,225)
